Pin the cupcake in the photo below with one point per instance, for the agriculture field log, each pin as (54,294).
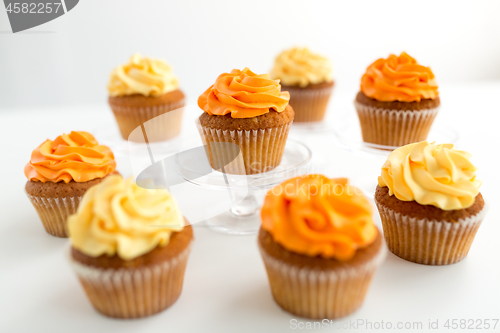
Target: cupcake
(249,111)
(308,78)
(60,172)
(144,89)
(429,202)
(319,245)
(398,101)
(130,246)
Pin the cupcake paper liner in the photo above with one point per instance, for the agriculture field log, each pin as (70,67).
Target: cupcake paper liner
(133,292)
(394,127)
(261,150)
(429,242)
(309,104)
(54,212)
(159,129)
(320,294)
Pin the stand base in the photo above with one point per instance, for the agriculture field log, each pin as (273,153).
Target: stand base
(243,218)
(230,223)
(310,128)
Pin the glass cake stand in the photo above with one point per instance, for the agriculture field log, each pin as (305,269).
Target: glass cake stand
(347,135)
(243,218)
(141,149)
(310,128)
(111,137)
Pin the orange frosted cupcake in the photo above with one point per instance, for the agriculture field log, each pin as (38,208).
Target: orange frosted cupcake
(250,111)
(398,101)
(319,245)
(130,247)
(60,172)
(429,202)
(308,78)
(146,92)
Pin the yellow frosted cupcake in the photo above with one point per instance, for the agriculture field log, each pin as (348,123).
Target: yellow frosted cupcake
(308,78)
(130,247)
(429,202)
(142,90)
(319,245)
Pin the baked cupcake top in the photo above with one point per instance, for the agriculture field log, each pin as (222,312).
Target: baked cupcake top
(243,94)
(317,216)
(144,76)
(118,217)
(300,67)
(399,78)
(75,156)
(431,174)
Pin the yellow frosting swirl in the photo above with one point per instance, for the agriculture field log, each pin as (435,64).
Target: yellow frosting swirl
(141,75)
(431,174)
(300,67)
(119,217)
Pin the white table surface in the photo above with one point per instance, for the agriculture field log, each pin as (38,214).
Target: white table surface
(225,287)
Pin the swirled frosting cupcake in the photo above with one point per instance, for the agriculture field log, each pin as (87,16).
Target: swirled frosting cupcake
(308,78)
(429,202)
(250,111)
(319,245)
(60,172)
(146,92)
(130,247)
(397,102)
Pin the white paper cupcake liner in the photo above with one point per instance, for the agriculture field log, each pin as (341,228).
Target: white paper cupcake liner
(133,292)
(261,150)
(309,105)
(157,128)
(54,212)
(320,294)
(429,242)
(394,127)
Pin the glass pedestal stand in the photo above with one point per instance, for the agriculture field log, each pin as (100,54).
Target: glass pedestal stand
(347,135)
(366,160)
(246,191)
(242,219)
(112,138)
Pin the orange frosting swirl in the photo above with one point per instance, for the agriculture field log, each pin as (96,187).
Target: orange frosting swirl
(399,79)
(244,94)
(76,156)
(318,216)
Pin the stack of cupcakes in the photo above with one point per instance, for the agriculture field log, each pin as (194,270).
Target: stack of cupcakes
(318,241)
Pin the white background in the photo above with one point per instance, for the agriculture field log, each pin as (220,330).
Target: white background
(70,64)
(53,79)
